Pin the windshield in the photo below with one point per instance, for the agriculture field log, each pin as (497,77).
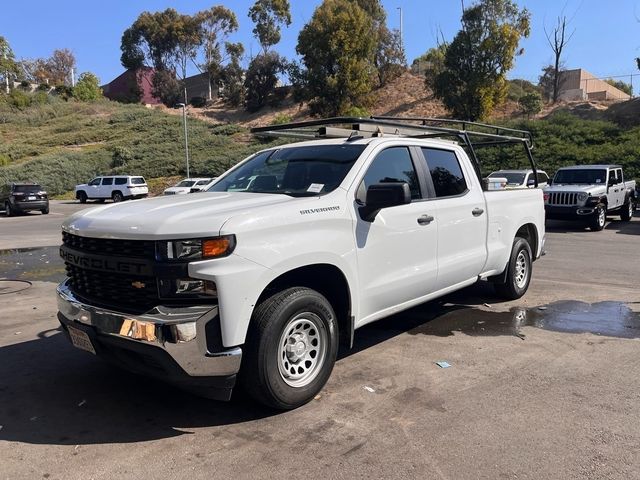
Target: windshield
(27,188)
(513,178)
(295,171)
(186,183)
(202,182)
(587,176)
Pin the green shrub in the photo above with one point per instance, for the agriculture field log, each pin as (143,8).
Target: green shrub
(43,87)
(356,112)
(121,156)
(19,99)
(281,118)
(25,85)
(64,92)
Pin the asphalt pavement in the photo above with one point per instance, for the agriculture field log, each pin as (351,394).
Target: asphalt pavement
(544,387)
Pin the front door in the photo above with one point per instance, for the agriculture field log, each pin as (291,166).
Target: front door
(396,253)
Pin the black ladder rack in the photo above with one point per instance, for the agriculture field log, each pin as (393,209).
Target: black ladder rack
(471,135)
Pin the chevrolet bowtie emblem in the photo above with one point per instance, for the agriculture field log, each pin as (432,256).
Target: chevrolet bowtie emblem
(138,284)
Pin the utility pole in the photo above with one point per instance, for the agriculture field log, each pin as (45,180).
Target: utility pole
(73,78)
(6,73)
(186,138)
(401,37)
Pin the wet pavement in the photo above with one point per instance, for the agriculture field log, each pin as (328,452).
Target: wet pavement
(34,264)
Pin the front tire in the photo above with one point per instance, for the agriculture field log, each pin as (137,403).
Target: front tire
(7,209)
(626,214)
(291,348)
(82,197)
(519,271)
(599,218)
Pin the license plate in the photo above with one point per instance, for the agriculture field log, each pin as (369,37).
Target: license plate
(80,340)
(31,198)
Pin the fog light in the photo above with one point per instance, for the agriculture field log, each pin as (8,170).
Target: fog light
(195,286)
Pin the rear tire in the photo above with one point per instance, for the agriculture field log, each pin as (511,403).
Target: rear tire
(45,211)
(117,197)
(626,214)
(519,271)
(82,197)
(291,348)
(599,218)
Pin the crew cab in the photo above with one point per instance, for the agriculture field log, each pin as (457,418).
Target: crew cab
(116,188)
(589,193)
(263,284)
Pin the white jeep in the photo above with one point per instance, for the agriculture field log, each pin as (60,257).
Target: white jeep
(265,283)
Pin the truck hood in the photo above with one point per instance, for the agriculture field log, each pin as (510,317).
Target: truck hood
(170,217)
(592,189)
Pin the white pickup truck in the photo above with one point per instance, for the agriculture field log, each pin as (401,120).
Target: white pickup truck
(265,283)
(589,193)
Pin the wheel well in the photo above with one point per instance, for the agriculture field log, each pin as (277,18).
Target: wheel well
(530,233)
(325,279)
(79,192)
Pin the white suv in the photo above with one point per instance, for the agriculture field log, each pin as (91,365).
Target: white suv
(117,188)
(521,178)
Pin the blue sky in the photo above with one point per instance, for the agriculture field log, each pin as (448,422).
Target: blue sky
(606,40)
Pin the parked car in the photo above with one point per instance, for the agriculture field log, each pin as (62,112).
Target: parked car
(117,188)
(248,277)
(186,186)
(589,193)
(23,197)
(521,178)
(203,187)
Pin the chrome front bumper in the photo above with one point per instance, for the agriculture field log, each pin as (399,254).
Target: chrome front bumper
(180,332)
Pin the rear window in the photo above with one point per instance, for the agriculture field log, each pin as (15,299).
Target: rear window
(27,188)
(137,181)
(121,181)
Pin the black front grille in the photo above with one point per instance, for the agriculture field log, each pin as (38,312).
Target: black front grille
(114,290)
(111,247)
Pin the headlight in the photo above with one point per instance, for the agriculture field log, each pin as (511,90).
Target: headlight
(197,249)
(582,197)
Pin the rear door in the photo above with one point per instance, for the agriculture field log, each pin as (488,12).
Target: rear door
(396,253)
(462,220)
(616,190)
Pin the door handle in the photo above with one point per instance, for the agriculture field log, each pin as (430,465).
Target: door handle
(477,212)
(425,219)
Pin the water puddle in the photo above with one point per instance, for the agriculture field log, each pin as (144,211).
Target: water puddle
(612,319)
(33,264)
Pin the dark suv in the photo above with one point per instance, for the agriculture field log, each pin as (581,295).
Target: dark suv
(23,197)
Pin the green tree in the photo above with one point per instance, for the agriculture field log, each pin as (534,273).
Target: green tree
(262,74)
(338,50)
(432,64)
(530,104)
(216,24)
(620,85)
(269,16)
(88,88)
(8,64)
(473,80)
(232,75)
(547,81)
(390,60)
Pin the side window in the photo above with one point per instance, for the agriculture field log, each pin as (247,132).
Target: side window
(619,171)
(391,165)
(613,178)
(121,181)
(446,172)
(95,181)
(107,181)
(543,178)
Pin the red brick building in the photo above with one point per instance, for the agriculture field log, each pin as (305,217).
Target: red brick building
(132,86)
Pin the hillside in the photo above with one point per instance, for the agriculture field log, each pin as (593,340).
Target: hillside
(61,143)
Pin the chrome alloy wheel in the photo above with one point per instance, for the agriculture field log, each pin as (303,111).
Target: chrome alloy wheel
(522,269)
(302,349)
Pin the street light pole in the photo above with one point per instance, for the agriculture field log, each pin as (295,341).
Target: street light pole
(186,138)
(401,40)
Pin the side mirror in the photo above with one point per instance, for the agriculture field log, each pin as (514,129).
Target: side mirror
(384,195)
